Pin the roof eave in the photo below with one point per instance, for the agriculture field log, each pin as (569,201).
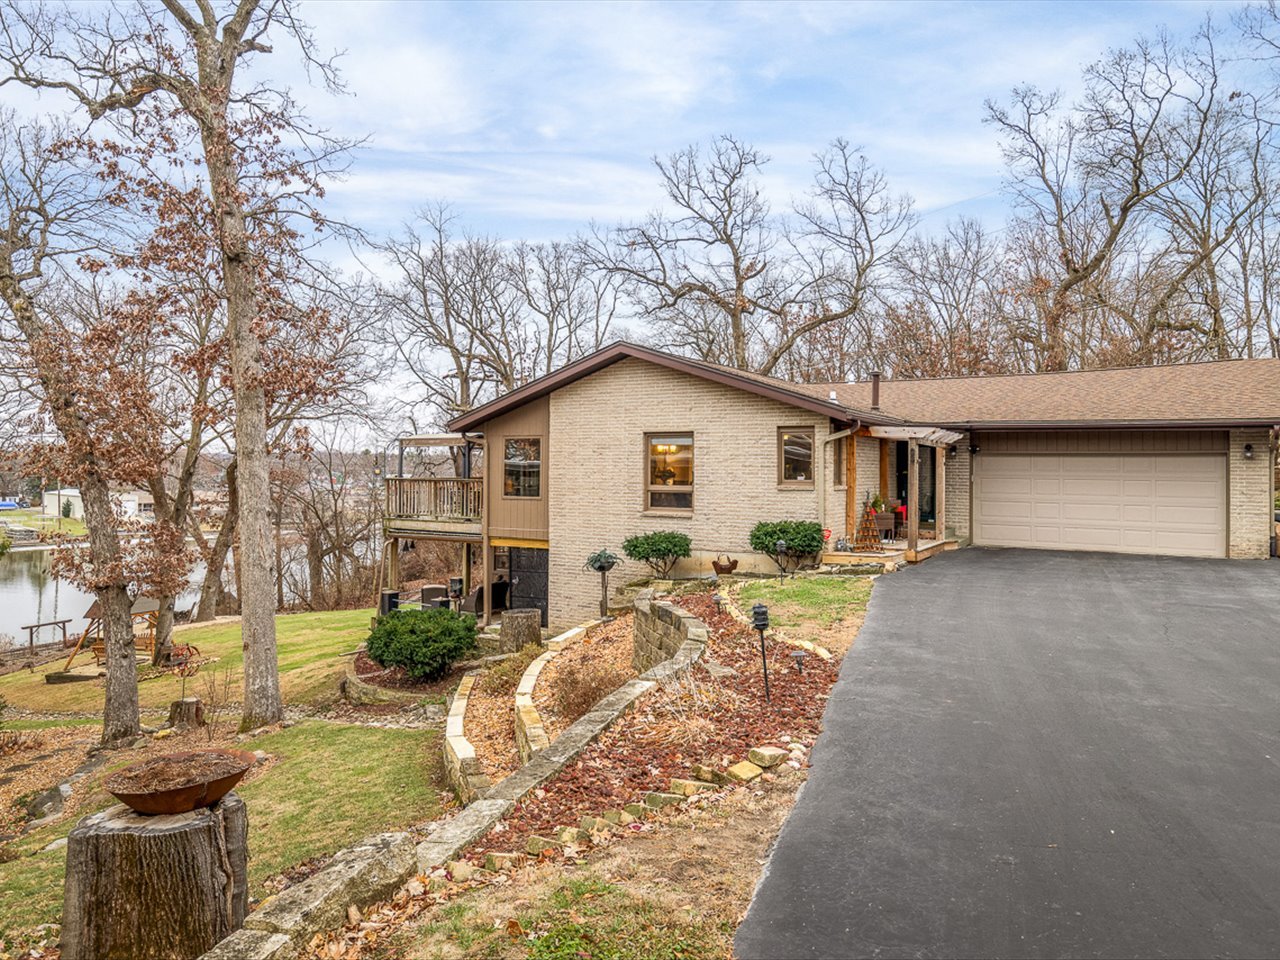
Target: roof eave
(1181,424)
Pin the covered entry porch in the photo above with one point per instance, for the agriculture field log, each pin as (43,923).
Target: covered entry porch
(906,521)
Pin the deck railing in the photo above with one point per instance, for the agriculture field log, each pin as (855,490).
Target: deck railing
(435,498)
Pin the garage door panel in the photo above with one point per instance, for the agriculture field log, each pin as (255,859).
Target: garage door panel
(1135,503)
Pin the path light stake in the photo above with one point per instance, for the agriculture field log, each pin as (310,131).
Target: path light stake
(760,620)
(798,656)
(719,601)
(781,548)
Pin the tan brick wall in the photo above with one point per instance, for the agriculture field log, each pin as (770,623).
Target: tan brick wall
(597,463)
(959,486)
(1250,495)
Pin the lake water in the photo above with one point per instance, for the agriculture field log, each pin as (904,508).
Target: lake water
(30,594)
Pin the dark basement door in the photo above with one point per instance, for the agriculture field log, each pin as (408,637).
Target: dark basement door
(528,579)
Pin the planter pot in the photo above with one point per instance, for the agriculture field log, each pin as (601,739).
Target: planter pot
(602,567)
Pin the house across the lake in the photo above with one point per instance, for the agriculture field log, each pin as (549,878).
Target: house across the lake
(1176,460)
(128,504)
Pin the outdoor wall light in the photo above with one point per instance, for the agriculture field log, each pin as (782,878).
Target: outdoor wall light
(1248,451)
(951,452)
(973,449)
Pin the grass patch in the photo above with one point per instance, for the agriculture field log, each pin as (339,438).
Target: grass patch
(31,517)
(331,785)
(310,648)
(50,724)
(816,601)
(581,917)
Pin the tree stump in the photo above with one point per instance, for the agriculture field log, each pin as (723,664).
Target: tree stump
(185,713)
(142,887)
(519,627)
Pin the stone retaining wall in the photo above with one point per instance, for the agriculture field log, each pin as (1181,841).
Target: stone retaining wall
(660,629)
(461,765)
(531,733)
(374,869)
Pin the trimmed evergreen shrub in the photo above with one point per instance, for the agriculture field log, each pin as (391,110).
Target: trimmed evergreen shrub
(660,549)
(802,537)
(425,642)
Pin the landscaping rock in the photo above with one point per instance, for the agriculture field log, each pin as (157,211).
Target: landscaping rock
(570,835)
(659,800)
(460,870)
(619,817)
(767,757)
(498,862)
(710,774)
(359,875)
(454,836)
(253,945)
(592,824)
(537,845)
(687,788)
(638,810)
(162,734)
(744,771)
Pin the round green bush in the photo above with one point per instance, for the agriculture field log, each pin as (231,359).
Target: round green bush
(802,537)
(425,642)
(660,549)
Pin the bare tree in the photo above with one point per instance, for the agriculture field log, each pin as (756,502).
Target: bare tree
(114,62)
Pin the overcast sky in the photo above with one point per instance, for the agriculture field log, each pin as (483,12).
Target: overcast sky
(535,118)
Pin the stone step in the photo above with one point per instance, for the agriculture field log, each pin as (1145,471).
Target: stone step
(687,788)
(658,800)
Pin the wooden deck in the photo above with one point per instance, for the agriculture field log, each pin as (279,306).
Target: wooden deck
(894,552)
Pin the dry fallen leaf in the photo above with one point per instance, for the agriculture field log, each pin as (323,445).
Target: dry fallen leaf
(514,930)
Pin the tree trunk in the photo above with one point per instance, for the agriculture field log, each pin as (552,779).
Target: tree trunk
(519,628)
(211,589)
(120,708)
(163,651)
(186,713)
(155,887)
(315,568)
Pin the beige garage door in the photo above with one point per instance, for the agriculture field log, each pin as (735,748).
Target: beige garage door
(1126,503)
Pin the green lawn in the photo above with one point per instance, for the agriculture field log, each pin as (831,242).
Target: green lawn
(810,608)
(32,517)
(332,785)
(311,648)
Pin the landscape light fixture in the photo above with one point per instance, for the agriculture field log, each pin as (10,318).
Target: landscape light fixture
(781,549)
(719,602)
(760,621)
(1248,451)
(798,656)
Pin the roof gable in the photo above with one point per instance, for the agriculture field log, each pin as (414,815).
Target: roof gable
(790,393)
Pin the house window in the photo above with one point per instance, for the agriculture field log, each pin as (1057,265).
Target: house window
(795,456)
(522,467)
(837,464)
(669,471)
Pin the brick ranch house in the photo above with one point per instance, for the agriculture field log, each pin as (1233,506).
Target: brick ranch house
(1176,460)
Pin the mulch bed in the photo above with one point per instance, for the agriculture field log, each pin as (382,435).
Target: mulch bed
(610,644)
(34,761)
(700,719)
(395,678)
(490,727)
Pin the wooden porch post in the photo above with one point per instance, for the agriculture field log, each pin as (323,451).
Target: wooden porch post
(466,569)
(851,518)
(913,496)
(884,470)
(940,492)
(393,573)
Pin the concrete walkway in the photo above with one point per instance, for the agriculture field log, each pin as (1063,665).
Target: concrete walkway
(1035,754)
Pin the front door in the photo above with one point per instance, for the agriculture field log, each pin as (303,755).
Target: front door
(528,580)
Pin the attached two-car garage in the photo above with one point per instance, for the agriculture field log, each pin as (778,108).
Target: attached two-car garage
(1124,493)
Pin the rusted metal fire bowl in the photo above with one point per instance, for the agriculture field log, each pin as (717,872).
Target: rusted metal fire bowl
(212,775)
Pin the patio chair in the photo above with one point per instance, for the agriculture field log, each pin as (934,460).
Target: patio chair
(432,592)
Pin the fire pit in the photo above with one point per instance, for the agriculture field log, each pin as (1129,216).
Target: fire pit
(179,782)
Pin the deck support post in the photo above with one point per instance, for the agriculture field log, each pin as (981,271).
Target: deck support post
(466,569)
(393,565)
(884,470)
(913,497)
(486,576)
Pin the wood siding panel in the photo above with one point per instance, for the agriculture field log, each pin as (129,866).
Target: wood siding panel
(523,518)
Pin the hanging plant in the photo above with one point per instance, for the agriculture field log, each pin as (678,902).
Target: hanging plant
(602,561)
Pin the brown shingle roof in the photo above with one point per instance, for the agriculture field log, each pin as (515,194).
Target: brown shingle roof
(1213,393)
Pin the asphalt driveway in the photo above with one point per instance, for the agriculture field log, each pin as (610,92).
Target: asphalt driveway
(1034,754)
